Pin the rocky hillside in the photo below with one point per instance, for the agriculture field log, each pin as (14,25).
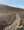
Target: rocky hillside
(8,16)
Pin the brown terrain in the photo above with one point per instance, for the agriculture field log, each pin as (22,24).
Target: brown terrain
(10,17)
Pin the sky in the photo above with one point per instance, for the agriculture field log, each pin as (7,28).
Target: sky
(14,3)
(4,2)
